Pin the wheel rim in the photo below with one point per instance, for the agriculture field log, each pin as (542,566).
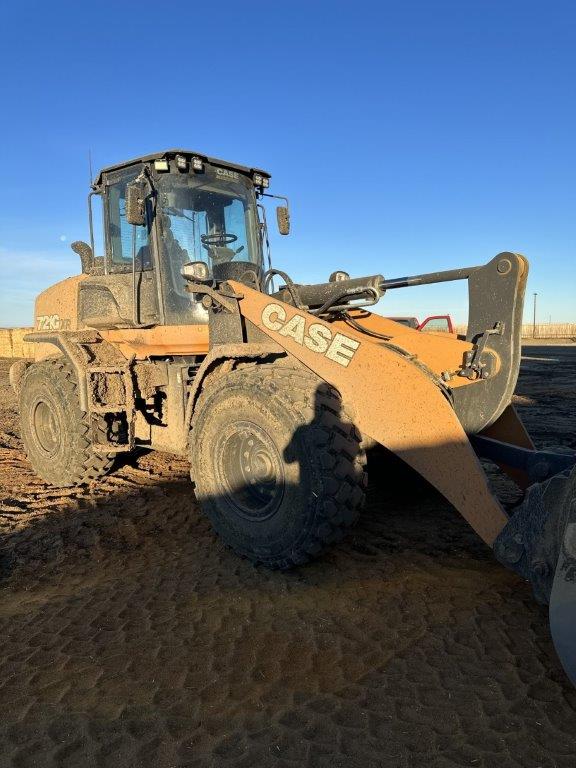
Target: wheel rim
(45,425)
(250,470)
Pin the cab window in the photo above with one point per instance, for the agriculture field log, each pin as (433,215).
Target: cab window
(120,233)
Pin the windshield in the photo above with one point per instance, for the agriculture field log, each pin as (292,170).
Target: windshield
(205,218)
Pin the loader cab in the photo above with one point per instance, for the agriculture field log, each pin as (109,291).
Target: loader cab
(194,209)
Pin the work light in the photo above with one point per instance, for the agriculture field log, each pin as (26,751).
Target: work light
(161,164)
(181,162)
(260,180)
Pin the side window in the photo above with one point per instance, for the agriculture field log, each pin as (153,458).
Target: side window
(235,224)
(97,206)
(120,233)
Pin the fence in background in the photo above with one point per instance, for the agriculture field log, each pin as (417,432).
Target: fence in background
(541,331)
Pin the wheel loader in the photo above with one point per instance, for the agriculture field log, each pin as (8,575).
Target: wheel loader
(183,338)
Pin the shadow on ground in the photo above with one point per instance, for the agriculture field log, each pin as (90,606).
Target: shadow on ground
(133,637)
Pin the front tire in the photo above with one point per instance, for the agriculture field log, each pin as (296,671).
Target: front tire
(55,432)
(277,463)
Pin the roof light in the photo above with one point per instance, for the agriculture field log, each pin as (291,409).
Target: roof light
(181,162)
(197,164)
(161,165)
(260,180)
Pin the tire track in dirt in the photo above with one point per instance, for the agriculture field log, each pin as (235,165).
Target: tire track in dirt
(132,637)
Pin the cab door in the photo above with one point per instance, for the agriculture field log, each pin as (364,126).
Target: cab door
(122,297)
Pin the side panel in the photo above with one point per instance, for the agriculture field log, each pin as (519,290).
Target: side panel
(393,401)
(160,341)
(56,309)
(107,301)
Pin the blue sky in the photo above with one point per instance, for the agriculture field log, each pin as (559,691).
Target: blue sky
(409,136)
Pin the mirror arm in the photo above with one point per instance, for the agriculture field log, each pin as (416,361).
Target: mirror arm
(264,234)
(282,213)
(278,197)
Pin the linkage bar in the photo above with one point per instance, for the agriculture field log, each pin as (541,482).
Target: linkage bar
(539,465)
(430,277)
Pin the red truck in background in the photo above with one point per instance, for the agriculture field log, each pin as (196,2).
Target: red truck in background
(435,323)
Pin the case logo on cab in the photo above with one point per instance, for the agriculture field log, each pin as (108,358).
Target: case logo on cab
(227,174)
(316,337)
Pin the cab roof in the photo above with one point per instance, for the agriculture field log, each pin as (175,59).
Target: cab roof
(171,153)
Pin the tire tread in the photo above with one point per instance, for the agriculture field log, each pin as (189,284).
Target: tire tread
(87,464)
(336,439)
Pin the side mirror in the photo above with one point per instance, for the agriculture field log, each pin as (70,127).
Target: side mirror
(136,203)
(283,219)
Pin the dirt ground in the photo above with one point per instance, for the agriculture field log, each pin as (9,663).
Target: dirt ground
(131,637)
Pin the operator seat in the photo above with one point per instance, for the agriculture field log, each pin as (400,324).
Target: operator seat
(177,257)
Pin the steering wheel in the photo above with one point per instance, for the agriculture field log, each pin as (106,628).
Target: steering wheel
(220,239)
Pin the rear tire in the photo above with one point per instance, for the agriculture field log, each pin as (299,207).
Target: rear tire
(55,432)
(277,463)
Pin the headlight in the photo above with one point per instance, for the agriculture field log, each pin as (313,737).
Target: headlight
(195,271)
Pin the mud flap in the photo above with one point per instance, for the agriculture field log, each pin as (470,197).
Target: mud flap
(539,543)
(563,601)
